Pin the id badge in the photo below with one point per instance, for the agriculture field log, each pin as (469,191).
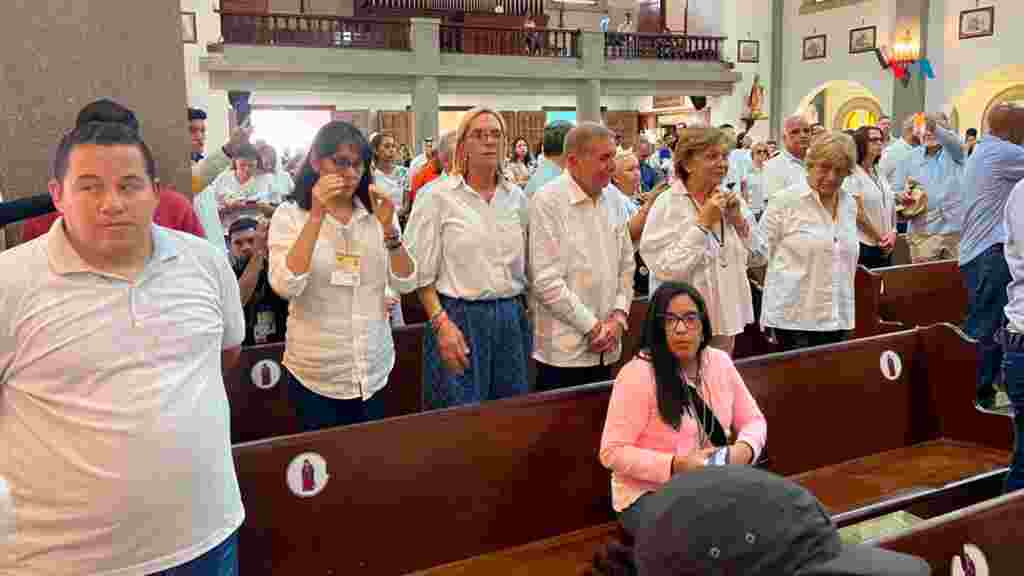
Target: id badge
(346,272)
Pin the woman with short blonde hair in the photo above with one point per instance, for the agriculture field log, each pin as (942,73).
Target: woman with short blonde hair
(703,234)
(469,238)
(810,235)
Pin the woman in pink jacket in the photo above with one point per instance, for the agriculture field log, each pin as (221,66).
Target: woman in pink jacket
(678,406)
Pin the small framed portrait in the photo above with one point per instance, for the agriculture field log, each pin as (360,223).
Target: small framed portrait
(977,22)
(815,47)
(863,39)
(748,51)
(188,27)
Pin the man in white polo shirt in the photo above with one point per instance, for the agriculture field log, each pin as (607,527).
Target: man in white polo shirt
(113,412)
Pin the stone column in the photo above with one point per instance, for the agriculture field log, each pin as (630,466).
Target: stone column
(775,111)
(426,107)
(588,101)
(70,54)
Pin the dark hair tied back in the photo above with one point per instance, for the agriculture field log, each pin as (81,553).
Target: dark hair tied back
(103,123)
(325,145)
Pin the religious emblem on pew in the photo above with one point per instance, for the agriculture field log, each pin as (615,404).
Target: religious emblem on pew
(307,474)
(265,374)
(972,563)
(891,365)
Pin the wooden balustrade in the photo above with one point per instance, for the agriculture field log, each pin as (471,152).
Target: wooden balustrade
(662,46)
(316,31)
(511,7)
(497,41)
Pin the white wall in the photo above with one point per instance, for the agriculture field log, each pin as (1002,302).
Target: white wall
(744,20)
(804,78)
(969,72)
(214,102)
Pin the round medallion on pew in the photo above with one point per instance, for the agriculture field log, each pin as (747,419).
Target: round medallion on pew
(307,475)
(891,365)
(265,374)
(973,562)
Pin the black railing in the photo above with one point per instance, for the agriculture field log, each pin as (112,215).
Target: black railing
(511,7)
(310,30)
(618,45)
(490,40)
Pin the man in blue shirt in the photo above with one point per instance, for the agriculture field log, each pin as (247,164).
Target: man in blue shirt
(938,167)
(553,163)
(649,175)
(992,171)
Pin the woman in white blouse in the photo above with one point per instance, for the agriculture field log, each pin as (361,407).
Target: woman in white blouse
(333,253)
(876,202)
(810,235)
(468,236)
(702,234)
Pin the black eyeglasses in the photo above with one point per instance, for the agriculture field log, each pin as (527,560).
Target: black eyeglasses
(345,163)
(691,320)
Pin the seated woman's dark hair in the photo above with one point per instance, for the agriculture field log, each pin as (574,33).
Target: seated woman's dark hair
(672,393)
(102,123)
(325,145)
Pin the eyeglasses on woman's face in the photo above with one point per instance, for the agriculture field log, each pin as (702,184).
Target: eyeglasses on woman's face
(691,320)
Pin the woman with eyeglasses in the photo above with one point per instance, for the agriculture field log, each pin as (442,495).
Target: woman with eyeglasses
(876,202)
(810,236)
(469,239)
(701,232)
(334,251)
(678,406)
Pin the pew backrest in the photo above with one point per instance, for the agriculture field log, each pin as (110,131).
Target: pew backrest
(922,294)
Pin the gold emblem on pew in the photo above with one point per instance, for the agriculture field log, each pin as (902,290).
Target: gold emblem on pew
(265,374)
(972,563)
(307,475)
(891,365)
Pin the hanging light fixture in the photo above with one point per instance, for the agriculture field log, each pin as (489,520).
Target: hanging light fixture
(905,51)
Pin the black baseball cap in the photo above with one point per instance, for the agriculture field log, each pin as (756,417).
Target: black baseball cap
(742,520)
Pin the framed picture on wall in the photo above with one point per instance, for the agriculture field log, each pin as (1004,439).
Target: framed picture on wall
(863,39)
(748,51)
(815,47)
(977,22)
(188,27)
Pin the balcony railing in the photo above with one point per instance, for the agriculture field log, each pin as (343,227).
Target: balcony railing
(619,45)
(549,42)
(510,7)
(310,30)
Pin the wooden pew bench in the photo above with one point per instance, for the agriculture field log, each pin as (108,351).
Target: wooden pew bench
(993,526)
(922,294)
(472,489)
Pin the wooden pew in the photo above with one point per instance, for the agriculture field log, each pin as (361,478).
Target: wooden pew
(471,489)
(922,294)
(992,526)
(259,396)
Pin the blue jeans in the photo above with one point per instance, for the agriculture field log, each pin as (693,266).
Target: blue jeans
(1013,373)
(317,412)
(221,561)
(986,278)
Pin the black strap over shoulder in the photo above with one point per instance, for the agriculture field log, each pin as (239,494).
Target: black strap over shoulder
(712,427)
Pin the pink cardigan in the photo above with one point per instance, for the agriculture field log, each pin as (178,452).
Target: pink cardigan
(638,446)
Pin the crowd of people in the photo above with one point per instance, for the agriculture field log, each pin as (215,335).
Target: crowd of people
(516,260)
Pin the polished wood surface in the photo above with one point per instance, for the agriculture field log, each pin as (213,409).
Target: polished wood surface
(922,294)
(478,480)
(919,468)
(993,526)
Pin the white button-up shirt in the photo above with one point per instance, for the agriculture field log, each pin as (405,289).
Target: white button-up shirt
(581,263)
(113,413)
(1013,219)
(676,250)
(338,343)
(466,247)
(779,173)
(879,202)
(811,262)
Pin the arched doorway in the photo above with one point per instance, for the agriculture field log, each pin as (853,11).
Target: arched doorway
(841,105)
(1004,84)
(1012,95)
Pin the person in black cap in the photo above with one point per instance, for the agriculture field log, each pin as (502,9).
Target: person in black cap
(743,521)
